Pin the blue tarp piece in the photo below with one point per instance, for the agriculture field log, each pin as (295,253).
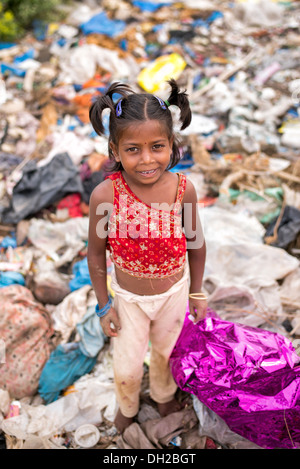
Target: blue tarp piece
(101,24)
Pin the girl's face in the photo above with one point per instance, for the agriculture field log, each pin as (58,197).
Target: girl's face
(144,151)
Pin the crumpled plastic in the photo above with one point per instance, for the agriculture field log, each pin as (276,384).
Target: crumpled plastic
(212,426)
(153,77)
(250,269)
(40,187)
(60,241)
(72,310)
(248,376)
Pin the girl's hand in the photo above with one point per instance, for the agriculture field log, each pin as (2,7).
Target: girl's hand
(110,323)
(197,308)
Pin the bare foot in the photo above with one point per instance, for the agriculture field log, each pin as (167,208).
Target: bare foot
(169,407)
(121,422)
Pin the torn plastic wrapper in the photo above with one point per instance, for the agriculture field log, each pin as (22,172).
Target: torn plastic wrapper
(248,376)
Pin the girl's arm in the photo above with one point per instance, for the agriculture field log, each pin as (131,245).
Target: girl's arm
(100,207)
(196,248)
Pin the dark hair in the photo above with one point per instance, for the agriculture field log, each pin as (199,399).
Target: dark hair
(139,107)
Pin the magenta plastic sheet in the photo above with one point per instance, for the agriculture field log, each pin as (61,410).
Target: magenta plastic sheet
(250,377)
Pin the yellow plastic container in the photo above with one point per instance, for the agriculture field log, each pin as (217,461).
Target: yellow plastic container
(153,78)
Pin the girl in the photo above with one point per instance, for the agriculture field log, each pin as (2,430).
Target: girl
(147,218)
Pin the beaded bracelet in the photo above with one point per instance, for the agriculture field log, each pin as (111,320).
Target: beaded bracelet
(103,311)
(198,296)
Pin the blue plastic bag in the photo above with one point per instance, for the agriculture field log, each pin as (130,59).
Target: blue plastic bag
(66,364)
(149,6)
(101,24)
(81,275)
(5,68)
(11,278)
(8,241)
(29,54)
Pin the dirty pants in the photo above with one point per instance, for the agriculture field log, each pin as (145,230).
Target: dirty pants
(154,318)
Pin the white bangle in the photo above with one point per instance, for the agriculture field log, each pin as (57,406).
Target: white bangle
(198,296)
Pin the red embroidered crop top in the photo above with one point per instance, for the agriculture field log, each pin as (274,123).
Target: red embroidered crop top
(146,241)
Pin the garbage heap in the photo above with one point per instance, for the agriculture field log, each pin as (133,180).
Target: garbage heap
(240,64)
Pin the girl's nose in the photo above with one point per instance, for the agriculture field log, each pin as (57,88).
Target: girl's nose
(146,156)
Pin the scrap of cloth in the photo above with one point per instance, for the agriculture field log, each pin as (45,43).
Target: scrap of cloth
(248,376)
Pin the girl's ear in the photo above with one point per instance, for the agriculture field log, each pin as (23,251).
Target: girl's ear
(114,150)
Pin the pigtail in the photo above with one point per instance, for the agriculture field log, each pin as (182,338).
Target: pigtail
(106,102)
(180,99)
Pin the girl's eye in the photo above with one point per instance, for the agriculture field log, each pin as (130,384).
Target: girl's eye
(158,146)
(131,149)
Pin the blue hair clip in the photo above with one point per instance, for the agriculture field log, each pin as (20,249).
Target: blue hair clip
(161,102)
(118,108)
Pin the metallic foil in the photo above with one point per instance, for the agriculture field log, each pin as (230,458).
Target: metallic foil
(250,377)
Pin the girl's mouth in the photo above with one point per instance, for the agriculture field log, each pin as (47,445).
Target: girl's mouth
(148,173)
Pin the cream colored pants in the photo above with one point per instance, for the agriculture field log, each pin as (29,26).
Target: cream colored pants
(157,319)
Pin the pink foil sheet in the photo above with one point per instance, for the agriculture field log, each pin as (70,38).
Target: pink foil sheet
(250,377)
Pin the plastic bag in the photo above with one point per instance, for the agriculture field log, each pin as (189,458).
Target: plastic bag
(11,278)
(61,241)
(81,275)
(101,24)
(153,77)
(41,187)
(248,376)
(211,425)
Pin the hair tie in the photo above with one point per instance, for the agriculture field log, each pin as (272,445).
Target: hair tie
(161,102)
(118,108)
(167,103)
